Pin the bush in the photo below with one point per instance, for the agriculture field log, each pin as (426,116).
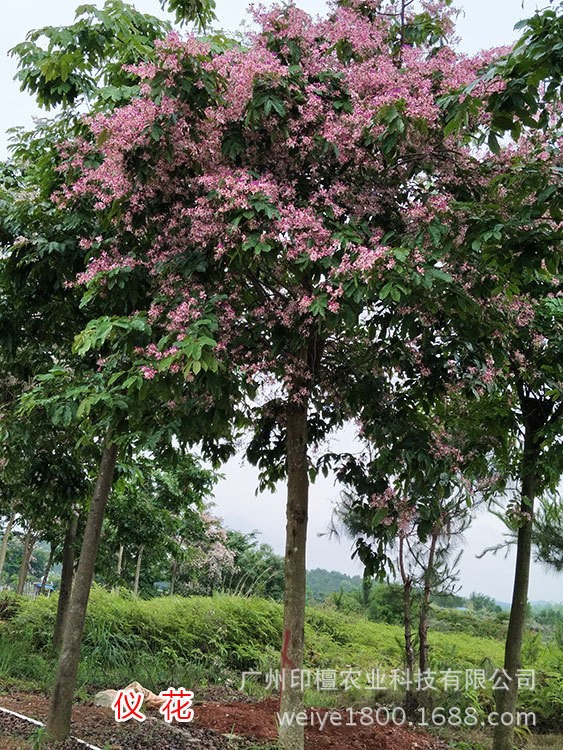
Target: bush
(464,621)
(9,605)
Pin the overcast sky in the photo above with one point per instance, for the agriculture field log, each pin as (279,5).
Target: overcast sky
(482,24)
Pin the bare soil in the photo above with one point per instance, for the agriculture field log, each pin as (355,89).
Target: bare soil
(235,725)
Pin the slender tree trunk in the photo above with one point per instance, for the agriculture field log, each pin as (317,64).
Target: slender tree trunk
(367,585)
(119,566)
(291,737)
(138,569)
(47,571)
(173,574)
(425,606)
(506,700)
(410,698)
(407,624)
(28,544)
(60,709)
(67,574)
(5,540)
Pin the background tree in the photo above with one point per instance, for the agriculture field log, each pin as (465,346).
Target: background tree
(396,542)
(548,534)
(257,570)
(483,603)
(74,63)
(155,505)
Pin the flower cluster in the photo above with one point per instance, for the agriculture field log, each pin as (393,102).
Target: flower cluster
(269,206)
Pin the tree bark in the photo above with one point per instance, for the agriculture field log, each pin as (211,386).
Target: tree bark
(47,571)
(28,544)
(5,540)
(291,737)
(173,574)
(367,585)
(119,565)
(138,570)
(60,708)
(506,700)
(67,575)
(410,699)
(425,606)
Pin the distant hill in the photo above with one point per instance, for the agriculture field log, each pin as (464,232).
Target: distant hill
(541,604)
(321,583)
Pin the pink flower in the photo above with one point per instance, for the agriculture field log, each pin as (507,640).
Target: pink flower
(148,372)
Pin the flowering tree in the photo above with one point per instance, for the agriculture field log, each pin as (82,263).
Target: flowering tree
(497,355)
(269,189)
(514,230)
(81,63)
(508,237)
(407,500)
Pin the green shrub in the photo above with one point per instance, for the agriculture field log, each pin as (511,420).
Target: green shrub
(9,605)
(464,621)
(546,701)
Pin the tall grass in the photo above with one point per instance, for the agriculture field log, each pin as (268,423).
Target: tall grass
(199,641)
(209,638)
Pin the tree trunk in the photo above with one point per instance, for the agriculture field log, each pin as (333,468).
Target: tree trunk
(425,606)
(506,700)
(291,737)
(173,574)
(119,560)
(67,574)
(47,571)
(60,708)
(410,699)
(5,540)
(138,570)
(367,585)
(28,544)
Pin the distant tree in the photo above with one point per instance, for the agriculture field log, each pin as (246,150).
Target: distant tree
(547,535)
(483,603)
(550,615)
(386,603)
(348,602)
(156,527)
(257,570)
(321,583)
(392,535)
(450,601)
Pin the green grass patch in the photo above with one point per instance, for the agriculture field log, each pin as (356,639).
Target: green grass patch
(202,641)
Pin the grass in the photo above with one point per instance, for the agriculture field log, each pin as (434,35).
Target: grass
(201,641)
(204,640)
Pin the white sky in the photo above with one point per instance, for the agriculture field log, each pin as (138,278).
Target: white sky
(483,23)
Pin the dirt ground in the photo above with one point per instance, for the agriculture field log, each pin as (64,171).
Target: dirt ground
(217,726)
(258,721)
